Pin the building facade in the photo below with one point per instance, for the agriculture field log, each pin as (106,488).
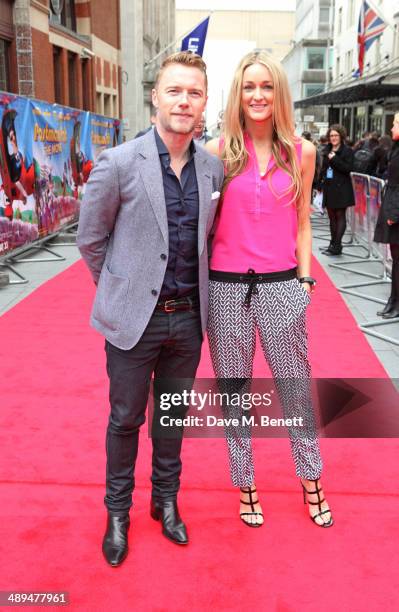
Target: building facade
(63,51)
(147,36)
(307,64)
(368,102)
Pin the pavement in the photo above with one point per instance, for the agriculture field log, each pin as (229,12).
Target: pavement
(363,310)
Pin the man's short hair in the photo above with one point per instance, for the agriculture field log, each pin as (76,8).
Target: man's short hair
(185,58)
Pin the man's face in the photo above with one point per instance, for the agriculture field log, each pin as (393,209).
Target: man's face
(199,129)
(395,128)
(180,98)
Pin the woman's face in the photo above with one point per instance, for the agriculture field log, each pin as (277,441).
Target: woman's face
(335,138)
(257,93)
(395,128)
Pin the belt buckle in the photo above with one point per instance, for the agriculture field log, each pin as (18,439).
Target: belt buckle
(169,308)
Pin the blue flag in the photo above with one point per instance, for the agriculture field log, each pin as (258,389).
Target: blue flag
(195,41)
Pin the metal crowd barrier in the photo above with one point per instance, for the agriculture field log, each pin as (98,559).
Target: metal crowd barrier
(362,219)
(20,254)
(368,198)
(364,215)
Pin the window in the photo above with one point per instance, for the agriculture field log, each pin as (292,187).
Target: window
(63,13)
(312,89)
(57,65)
(99,103)
(324,16)
(351,13)
(338,67)
(360,123)
(378,51)
(86,80)
(339,27)
(315,58)
(107,105)
(4,74)
(73,98)
(349,62)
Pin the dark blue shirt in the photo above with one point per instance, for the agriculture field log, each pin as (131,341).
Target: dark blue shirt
(182,206)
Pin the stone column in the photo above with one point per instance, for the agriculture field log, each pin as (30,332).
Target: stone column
(23,45)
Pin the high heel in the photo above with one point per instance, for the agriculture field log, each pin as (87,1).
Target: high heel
(251,503)
(317,492)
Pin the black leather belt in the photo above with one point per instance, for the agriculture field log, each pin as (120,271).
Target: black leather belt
(183,303)
(252,278)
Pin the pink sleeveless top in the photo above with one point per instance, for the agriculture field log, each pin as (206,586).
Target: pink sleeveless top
(257,226)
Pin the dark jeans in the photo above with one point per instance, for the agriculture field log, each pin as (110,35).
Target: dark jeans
(170,347)
(395,274)
(337,218)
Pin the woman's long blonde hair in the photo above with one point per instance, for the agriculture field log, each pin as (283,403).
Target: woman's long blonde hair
(234,153)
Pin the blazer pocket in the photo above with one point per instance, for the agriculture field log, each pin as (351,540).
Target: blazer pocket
(110,303)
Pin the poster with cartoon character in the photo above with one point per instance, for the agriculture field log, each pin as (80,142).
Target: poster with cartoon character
(18,219)
(46,155)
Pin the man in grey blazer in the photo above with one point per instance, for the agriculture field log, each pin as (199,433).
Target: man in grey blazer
(148,208)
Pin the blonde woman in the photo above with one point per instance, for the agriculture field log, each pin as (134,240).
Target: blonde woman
(260,269)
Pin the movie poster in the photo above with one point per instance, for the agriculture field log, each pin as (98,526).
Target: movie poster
(61,166)
(47,152)
(104,133)
(18,216)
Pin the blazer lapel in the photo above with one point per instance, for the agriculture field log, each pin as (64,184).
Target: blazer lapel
(151,173)
(204,181)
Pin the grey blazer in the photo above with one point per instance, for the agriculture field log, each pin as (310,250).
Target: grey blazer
(123,233)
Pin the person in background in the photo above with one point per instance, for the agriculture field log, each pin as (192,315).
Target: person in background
(381,154)
(336,184)
(308,136)
(387,227)
(200,133)
(363,154)
(153,119)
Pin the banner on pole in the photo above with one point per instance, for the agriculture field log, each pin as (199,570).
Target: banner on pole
(195,40)
(370,27)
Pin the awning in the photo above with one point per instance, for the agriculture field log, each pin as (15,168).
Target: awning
(348,95)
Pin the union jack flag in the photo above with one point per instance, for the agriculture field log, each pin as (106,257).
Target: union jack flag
(370,28)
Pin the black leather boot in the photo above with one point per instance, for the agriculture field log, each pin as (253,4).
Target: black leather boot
(387,308)
(173,527)
(393,313)
(115,546)
(333,250)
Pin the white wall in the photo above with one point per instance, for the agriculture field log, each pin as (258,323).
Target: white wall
(222,58)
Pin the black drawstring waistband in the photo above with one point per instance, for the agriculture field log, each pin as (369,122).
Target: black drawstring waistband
(252,288)
(252,278)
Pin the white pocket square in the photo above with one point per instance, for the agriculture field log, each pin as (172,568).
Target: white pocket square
(215,195)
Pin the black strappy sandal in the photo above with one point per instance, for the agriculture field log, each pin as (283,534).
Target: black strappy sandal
(330,523)
(251,503)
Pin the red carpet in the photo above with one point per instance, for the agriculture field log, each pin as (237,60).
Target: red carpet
(53,417)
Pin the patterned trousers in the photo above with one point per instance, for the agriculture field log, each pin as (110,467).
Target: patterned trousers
(278,311)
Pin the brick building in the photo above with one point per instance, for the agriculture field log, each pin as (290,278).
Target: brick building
(65,51)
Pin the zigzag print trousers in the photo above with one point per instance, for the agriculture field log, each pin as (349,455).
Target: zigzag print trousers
(278,311)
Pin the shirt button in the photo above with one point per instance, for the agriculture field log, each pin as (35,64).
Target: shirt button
(163,256)
(154,292)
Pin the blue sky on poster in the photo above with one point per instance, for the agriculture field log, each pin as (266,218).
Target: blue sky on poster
(239,5)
